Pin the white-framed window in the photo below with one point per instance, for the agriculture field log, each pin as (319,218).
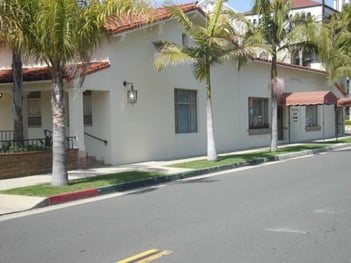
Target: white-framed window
(185,104)
(87,108)
(312,116)
(258,113)
(34,109)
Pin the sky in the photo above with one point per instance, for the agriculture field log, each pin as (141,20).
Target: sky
(245,5)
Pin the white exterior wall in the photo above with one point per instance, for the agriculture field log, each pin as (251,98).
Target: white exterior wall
(102,118)
(299,81)
(315,11)
(146,131)
(5,57)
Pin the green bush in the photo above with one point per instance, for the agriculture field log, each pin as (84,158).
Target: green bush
(347,122)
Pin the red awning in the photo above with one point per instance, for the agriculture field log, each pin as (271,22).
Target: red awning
(308,98)
(344,102)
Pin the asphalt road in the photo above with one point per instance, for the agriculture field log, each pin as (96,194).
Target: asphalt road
(293,211)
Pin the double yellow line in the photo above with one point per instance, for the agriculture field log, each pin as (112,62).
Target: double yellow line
(146,256)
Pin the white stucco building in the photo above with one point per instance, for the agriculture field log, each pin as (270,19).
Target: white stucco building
(338,4)
(319,11)
(168,120)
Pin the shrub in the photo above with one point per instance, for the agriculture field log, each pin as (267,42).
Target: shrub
(347,122)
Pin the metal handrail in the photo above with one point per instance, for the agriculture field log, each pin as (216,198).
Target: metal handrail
(96,138)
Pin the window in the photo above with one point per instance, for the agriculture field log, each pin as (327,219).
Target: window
(185,40)
(311,116)
(34,109)
(185,111)
(258,113)
(87,108)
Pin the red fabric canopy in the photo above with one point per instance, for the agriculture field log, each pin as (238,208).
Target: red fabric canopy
(308,98)
(344,102)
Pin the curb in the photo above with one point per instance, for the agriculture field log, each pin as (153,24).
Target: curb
(71,196)
(82,194)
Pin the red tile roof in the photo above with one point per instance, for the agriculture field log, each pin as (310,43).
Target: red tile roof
(43,73)
(304,3)
(293,66)
(159,14)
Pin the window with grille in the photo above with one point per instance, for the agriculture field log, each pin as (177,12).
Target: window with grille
(185,111)
(34,109)
(87,108)
(258,113)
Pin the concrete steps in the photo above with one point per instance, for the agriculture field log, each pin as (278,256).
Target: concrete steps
(92,162)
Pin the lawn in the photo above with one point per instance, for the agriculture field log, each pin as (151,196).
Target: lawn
(81,184)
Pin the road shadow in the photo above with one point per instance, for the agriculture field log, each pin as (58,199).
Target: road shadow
(144,191)
(199,181)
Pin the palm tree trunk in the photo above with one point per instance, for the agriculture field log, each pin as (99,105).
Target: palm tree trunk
(211,145)
(59,164)
(274,107)
(17,95)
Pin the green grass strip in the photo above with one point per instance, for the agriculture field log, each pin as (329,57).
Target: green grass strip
(239,158)
(45,190)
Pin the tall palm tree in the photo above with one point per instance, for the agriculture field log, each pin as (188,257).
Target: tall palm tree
(214,42)
(67,32)
(16,16)
(282,33)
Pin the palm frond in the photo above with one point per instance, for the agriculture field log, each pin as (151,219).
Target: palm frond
(170,54)
(214,17)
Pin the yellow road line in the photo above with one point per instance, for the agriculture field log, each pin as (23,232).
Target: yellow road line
(155,256)
(146,256)
(138,256)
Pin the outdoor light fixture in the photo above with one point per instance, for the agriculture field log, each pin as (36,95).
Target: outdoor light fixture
(132,94)
(0,95)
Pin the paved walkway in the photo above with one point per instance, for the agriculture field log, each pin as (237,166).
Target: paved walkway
(12,203)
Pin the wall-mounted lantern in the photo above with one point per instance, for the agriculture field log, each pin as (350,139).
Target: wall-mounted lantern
(132,94)
(1,95)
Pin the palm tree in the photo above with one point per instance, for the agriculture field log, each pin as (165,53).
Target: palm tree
(214,42)
(67,32)
(334,44)
(16,16)
(282,33)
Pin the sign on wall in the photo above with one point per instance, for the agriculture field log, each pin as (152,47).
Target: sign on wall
(295,114)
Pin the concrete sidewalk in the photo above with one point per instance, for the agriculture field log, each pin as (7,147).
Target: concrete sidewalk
(12,204)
